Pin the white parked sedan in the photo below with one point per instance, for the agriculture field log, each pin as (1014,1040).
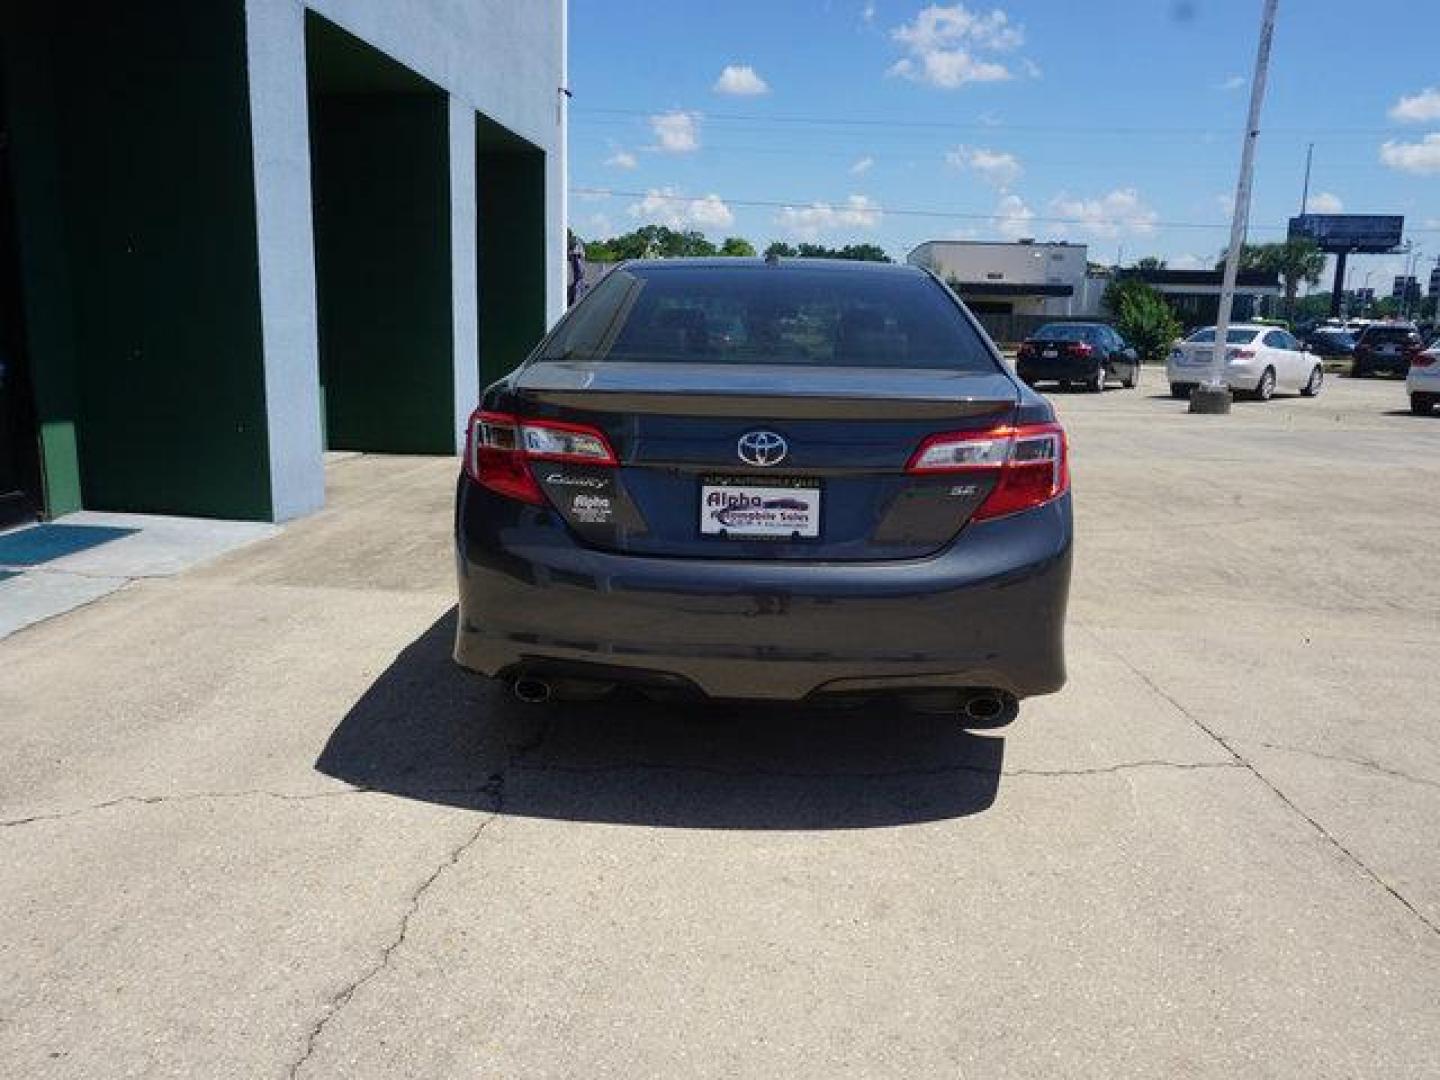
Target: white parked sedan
(1259,360)
(1423,382)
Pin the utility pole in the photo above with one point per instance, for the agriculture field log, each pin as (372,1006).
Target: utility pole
(1213,396)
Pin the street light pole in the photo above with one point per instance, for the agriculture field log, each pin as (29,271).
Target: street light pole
(1213,396)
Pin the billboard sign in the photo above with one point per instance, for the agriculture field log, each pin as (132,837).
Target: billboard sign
(1372,233)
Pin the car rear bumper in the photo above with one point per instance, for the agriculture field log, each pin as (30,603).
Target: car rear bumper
(987,611)
(1059,370)
(1387,365)
(1238,375)
(1423,380)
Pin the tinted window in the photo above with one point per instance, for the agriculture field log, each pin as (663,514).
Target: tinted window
(1333,337)
(1390,335)
(1066,332)
(1275,339)
(757,314)
(1232,337)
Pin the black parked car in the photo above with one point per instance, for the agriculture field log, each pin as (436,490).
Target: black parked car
(1386,347)
(1083,354)
(1330,341)
(844,495)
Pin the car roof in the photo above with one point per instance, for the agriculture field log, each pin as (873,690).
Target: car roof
(781,265)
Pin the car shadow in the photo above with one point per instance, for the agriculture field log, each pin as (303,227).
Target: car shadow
(427,730)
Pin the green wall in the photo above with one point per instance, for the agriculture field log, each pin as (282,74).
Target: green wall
(381,172)
(148,134)
(510,181)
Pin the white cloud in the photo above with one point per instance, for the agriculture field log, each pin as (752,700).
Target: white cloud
(1323,202)
(942,42)
(1187,262)
(1014,217)
(740,80)
(1422,157)
(997,168)
(1234,82)
(809,222)
(1112,214)
(621,159)
(867,13)
(676,132)
(1418,107)
(666,206)
(862,166)
(601,225)
(1031,68)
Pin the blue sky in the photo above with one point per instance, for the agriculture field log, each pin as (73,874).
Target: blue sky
(1114,122)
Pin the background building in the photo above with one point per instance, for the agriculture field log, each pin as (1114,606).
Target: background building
(1022,278)
(1015,287)
(236,233)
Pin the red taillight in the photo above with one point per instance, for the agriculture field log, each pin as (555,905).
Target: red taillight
(1424,359)
(499,448)
(1026,349)
(1240,354)
(1031,464)
(1079,348)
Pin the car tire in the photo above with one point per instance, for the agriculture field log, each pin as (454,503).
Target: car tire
(1422,404)
(1265,388)
(1134,378)
(1180,391)
(1316,383)
(1095,384)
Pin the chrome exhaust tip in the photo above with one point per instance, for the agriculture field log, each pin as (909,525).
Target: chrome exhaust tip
(531,690)
(989,708)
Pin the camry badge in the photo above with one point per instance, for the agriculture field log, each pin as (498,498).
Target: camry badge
(762,448)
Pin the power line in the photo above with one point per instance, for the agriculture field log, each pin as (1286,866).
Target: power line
(899,211)
(997,128)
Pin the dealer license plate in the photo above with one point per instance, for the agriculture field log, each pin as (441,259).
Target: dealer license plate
(741,508)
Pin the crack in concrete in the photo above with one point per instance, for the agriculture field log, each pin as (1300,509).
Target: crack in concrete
(939,770)
(1362,763)
(1275,789)
(495,787)
(347,994)
(216,796)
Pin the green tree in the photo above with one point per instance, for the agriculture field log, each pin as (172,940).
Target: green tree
(1142,317)
(853,252)
(737,247)
(1150,262)
(1295,260)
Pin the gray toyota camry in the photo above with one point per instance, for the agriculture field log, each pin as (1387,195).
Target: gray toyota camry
(779,480)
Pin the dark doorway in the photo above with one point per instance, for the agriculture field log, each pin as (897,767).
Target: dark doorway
(510,181)
(20,493)
(380,169)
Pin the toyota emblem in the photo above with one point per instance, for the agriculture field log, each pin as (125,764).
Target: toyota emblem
(762,448)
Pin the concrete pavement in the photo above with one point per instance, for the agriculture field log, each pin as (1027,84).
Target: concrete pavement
(256,824)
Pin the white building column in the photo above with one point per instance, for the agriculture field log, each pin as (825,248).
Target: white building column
(280,137)
(464,272)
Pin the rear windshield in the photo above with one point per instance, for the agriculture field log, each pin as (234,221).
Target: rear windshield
(1232,337)
(1066,332)
(758,314)
(1391,335)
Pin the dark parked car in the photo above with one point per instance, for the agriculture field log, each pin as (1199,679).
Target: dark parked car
(1386,347)
(1084,354)
(845,495)
(1330,341)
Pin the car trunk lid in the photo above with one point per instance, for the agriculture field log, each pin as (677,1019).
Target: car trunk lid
(839,489)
